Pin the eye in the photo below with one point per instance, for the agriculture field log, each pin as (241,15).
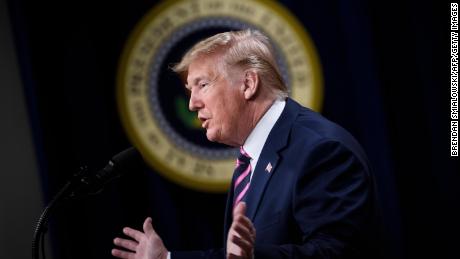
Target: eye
(202,85)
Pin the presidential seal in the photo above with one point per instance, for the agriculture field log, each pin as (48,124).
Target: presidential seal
(153,102)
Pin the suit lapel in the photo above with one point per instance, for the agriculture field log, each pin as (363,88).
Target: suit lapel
(259,180)
(270,158)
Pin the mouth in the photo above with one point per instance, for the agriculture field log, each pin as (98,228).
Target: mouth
(204,122)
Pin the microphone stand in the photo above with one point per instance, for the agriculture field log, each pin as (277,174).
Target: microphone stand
(41,227)
(82,184)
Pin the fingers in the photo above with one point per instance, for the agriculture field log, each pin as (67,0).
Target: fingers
(244,233)
(246,247)
(134,234)
(144,243)
(239,217)
(245,222)
(125,243)
(122,254)
(234,256)
(243,237)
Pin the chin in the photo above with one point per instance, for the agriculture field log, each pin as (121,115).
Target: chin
(211,137)
(218,139)
(215,136)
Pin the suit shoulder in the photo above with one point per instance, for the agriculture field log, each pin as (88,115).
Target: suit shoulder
(314,125)
(312,128)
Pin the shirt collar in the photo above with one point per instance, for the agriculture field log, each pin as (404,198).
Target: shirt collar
(258,136)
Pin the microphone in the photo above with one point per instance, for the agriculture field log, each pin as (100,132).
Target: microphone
(126,160)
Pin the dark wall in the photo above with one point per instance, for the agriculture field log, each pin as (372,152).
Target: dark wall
(21,198)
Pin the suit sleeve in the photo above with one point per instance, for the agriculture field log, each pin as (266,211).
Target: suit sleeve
(330,204)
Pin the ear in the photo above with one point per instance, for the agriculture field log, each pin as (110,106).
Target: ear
(251,84)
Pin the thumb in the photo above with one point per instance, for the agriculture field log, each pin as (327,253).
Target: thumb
(148,228)
(240,209)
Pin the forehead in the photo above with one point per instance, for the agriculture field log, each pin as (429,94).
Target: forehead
(202,68)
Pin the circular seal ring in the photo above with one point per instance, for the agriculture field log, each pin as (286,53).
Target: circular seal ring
(145,112)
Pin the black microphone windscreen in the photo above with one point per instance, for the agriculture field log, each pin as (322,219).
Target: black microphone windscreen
(127,158)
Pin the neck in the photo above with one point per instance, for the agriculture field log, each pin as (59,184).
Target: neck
(256,109)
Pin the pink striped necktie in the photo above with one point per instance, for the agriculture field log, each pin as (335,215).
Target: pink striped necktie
(241,177)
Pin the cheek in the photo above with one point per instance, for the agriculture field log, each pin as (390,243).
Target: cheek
(225,109)
(230,118)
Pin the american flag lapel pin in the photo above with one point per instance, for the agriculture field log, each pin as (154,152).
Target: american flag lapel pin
(269,167)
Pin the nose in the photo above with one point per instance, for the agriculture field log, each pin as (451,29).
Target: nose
(195,102)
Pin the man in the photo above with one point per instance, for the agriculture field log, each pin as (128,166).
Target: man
(302,186)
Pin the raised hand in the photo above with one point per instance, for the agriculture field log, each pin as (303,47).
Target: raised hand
(142,245)
(241,236)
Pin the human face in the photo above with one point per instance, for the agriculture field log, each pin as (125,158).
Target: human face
(218,100)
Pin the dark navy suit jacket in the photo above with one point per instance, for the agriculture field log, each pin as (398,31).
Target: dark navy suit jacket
(316,202)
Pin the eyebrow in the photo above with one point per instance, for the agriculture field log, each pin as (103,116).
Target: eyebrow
(195,81)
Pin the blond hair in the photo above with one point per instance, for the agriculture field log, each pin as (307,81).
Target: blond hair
(248,49)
